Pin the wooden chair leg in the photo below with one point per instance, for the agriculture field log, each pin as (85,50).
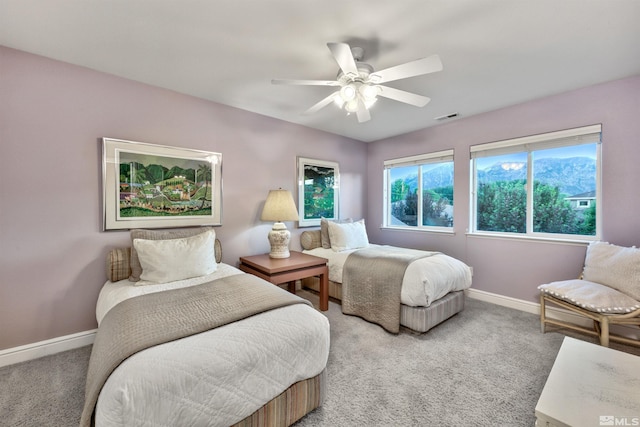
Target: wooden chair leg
(542,314)
(604,332)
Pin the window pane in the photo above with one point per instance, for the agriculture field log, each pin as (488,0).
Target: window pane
(501,193)
(564,190)
(404,196)
(437,194)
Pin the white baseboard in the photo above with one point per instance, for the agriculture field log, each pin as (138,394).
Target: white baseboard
(45,348)
(551,312)
(518,304)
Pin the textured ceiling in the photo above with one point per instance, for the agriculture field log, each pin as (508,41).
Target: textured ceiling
(495,53)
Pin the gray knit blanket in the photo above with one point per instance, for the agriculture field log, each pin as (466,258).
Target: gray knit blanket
(372,283)
(148,320)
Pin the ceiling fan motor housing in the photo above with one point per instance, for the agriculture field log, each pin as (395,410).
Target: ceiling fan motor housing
(364,71)
(358,53)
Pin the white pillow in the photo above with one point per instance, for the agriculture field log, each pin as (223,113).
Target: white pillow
(348,235)
(166,261)
(324,230)
(615,266)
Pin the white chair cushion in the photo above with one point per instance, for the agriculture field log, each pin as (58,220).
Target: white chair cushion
(591,296)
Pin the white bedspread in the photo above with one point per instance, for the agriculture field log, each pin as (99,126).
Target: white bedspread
(218,377)
(425,280)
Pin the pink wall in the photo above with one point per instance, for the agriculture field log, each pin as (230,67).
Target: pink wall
(510,267)
(52,115)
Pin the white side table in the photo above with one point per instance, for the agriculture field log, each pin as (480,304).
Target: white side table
(590,385)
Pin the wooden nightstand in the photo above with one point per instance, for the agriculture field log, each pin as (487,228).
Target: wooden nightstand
(287,270)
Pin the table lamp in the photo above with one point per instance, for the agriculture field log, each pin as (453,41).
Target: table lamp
(279,207)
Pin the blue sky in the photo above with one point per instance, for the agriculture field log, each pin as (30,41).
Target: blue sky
(585,150)
(402,173)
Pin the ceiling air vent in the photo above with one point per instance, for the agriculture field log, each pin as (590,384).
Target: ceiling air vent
(447,116)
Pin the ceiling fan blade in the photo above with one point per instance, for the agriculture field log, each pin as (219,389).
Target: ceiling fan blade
(427,65)
(321,104)
(402,96)
(343,56)
(305,82)
(363,113)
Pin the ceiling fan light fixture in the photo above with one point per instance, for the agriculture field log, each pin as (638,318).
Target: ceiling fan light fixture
(368,92)
(353,95)
(348,92)
(351,106)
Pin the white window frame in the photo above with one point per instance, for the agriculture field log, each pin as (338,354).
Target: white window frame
(422,159)
(529,144)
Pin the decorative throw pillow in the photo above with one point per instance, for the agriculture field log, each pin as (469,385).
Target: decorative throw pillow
(615,266)
(591,296)
(166,261)
(324,230)
(310,239)
(346,236)
(118,264)
(136,268)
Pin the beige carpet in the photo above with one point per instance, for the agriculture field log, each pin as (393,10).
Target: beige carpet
(485,366)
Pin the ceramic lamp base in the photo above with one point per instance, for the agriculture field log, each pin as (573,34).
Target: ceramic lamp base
(279,238)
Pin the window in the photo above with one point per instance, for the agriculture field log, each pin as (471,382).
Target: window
(540,186)
(419,192)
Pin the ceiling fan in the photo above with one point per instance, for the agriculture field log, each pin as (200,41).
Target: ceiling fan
(359,85)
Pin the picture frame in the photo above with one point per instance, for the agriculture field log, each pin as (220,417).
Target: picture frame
(318,191)
(157,186)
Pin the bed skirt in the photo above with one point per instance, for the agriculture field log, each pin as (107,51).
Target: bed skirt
(418,319)
(290,405)
(421,319)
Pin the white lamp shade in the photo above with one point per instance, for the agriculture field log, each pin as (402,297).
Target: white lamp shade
(279,207)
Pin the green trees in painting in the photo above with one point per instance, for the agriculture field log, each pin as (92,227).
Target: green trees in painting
(205,170)
(319,192)
(155,190)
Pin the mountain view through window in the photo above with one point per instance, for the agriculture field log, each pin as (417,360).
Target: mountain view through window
(564,191)
(422,195)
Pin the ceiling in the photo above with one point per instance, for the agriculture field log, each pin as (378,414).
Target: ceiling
(495,53)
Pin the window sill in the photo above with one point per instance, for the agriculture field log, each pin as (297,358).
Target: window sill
(556,240)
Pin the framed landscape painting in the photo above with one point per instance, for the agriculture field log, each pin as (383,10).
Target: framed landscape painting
(318,191)
(155,186)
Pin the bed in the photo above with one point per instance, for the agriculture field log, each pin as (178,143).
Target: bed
(207,349)
(432,285)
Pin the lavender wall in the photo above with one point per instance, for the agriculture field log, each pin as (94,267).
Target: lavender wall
(52,115)
(515,268)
